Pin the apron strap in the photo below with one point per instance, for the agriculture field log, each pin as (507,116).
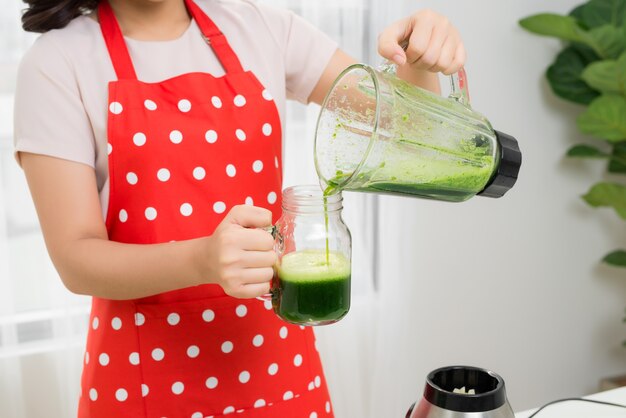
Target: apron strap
(215,38)
(118,51)
(115,42)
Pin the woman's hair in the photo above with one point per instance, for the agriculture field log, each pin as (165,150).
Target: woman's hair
(44,15)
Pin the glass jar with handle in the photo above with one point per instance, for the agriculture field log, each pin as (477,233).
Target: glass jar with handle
(311,284)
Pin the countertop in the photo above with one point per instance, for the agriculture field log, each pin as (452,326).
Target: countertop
(577,409)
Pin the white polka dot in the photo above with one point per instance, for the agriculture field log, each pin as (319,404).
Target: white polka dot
(267,95)
(241,311)
(116,323)
(150,214)
(134,359)
(121,395)
(229,410)
(109,149)
(163,174)
(283,332)
(257,166)
(208,315)
(131,178)
(96,322)
(176,137)
(199,173)
(257,341)
(184,105)
(116,108)
(311,386)
(158,354)
(287,395)
(276,162)
(231,171)
(197,415)
(240,134)
(140,319)
(178,388)
(93,394)
(193,351)
(219,207)
(327,407)
(267,129)
(244,377)
(227,347)
(271,198)
(249,201)
(273,369)
(103,359)
(149,104)
(211,382)
(260,403)
(313,415)
(210,136)
(144,390)
(173,319)
(297,360)
(87,358)
(318,381)
(268,305)
(239,100)
(216,101)
(139,139)
(186,209)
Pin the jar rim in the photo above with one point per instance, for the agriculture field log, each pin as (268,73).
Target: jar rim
(310,197)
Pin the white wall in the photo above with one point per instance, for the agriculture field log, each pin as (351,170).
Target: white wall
(512,284)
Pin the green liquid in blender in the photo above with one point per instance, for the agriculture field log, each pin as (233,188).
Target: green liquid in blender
(314,287)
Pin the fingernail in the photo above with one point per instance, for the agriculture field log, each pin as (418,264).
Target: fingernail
(399,59)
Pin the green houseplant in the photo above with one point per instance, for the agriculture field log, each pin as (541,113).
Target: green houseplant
(591,71)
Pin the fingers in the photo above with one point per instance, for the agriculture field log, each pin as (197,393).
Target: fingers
(259,259)
(458,62)
(250,283)
(390,39)
(249,216)
(250,291)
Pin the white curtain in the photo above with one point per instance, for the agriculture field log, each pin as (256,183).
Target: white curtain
(43,326)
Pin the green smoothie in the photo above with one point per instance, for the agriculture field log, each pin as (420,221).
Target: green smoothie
(310,290)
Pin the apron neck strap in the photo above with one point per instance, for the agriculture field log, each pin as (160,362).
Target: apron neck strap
(118,51)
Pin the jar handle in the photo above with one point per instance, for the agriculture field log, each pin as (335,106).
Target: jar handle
(273,231)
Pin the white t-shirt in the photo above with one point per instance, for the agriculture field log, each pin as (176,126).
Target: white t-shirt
(61,95)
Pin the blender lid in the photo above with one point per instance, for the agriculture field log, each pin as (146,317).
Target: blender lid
(508,168)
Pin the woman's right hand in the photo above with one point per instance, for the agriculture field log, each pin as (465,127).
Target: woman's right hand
(238,256)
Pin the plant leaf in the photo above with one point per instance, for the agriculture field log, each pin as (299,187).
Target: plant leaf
(607,40)
(605,118)
(608,76)
(618,158)
(608,195)
(586,151)
(616,258)
(564,75)
(601,12)
(550,24)
(577,13)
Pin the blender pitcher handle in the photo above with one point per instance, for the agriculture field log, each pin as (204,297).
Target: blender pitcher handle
(459,89)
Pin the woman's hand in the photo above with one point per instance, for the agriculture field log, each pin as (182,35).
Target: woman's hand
(239,257)
(432,43)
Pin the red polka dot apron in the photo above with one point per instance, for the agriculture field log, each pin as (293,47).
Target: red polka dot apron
(182,152)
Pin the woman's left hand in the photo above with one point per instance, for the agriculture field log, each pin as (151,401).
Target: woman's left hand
(432,44)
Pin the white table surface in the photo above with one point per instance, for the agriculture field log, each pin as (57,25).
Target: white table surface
(576,409)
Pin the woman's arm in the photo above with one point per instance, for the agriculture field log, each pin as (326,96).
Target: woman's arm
(432,45)
(237,256)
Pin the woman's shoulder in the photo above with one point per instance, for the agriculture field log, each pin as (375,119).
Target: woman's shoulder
(64,44)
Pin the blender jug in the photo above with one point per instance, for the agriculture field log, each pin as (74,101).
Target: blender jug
(378,133)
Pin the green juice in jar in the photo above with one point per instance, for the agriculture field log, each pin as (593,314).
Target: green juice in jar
(313,287)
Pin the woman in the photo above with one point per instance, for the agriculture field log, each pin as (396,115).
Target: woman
(150,135)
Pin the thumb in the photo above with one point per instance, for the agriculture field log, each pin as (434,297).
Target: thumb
(249,216)
(390,39)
